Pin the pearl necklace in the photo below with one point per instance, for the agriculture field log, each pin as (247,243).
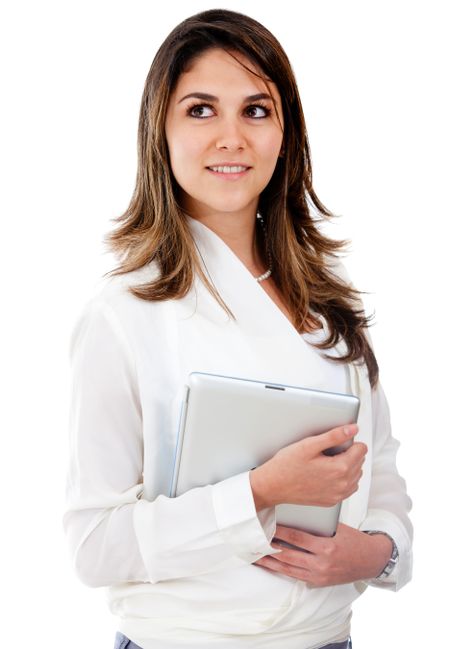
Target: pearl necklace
(264,276)
(268,272)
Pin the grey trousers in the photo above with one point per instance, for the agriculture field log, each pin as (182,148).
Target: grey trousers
(122,642)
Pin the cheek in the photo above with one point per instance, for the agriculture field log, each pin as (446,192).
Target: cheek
(267,144)
(186,158)
(270,151)
(185,148)
(273,145)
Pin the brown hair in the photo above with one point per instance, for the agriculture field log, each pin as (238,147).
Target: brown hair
(154,227)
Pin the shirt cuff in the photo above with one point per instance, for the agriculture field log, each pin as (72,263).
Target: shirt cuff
(248,531)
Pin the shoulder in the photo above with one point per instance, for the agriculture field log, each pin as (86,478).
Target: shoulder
(114,290)
(112,307)
(338,268)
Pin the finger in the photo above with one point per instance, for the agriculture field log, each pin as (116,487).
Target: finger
(278,566)
(301,539)
(333,437)
(358,450)
(294,557)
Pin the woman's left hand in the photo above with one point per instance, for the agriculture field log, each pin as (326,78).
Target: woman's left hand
(348,556)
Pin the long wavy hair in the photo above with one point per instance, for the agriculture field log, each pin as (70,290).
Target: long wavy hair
(154,227)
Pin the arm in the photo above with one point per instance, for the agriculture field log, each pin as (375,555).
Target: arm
(389,503)
(115,535)
(351,555)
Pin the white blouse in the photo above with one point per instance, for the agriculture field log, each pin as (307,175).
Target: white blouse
(179,571)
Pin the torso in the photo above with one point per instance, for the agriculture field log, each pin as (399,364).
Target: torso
(273,292)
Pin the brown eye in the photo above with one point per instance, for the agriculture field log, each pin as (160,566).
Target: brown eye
(197,110)
(254,107)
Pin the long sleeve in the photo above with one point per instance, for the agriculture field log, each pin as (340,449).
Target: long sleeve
(114,534)
(389,503)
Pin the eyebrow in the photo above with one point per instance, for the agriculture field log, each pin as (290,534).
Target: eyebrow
(207,97)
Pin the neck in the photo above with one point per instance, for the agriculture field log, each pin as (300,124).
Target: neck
(237,230)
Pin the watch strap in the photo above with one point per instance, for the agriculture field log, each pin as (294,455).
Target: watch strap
(393,560)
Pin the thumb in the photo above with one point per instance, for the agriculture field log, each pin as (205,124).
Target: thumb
(334,437)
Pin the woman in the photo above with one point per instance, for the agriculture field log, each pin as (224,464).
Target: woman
(224,270)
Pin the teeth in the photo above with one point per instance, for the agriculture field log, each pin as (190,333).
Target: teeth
(228,170)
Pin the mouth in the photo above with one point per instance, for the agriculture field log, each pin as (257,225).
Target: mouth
(230,172)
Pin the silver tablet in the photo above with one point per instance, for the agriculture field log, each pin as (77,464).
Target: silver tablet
(230,425)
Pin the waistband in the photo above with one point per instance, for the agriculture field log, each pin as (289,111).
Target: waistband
(346,644)
(122,642)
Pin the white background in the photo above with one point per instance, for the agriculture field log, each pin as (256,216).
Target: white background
(373,79)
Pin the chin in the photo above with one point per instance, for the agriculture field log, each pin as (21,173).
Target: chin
(230,205)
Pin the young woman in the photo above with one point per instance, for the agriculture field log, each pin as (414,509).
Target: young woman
(223,269)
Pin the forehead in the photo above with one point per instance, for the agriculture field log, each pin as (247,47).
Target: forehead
(220,72)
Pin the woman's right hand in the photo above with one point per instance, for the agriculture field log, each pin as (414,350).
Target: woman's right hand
(301,474)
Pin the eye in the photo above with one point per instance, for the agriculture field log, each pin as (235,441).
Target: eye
(197,111)
(266,110)
(194,110)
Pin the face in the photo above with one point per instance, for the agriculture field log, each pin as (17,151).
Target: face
(230,127)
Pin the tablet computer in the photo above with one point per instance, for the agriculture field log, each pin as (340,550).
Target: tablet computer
(229,425)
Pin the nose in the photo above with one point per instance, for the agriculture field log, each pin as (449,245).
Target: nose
(230,135)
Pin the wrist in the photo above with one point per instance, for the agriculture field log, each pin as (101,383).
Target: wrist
(386,551)
(258,484)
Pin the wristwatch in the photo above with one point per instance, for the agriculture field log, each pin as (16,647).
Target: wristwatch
(394,556)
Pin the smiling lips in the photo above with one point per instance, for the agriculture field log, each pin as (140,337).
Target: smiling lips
(231,171)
